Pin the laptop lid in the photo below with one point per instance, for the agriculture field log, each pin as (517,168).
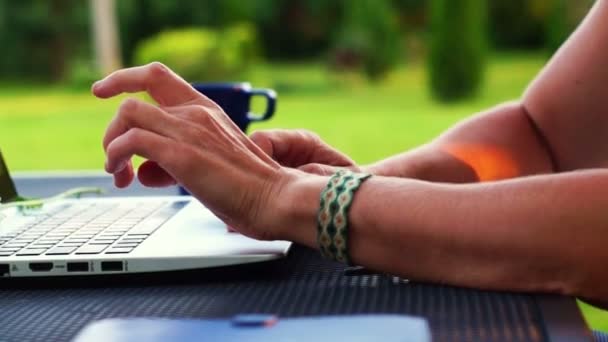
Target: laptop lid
(8,192)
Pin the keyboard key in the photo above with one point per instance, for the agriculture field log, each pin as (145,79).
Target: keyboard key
(31,251)
(100,242)
(23,240)
(5,254)
(76,240)
(77,244)
(119,250)
(109,235)
(50,240)
(128,243)
(132,239)
(15,244)
(42,244)
(57,235)
(10,249)
(91,249)
(64,250)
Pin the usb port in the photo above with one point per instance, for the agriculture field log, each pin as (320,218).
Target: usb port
(109,266)
(41,266)
(78,266)
(4,270)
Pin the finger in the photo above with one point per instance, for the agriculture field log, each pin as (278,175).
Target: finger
(294,148)
(143,143)
(124,177)
(136,113)
(165,86)
(264,140)
(151,174)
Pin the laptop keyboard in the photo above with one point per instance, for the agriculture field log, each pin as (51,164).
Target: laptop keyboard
(86,229)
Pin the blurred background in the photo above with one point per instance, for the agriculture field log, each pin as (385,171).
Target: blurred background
(371,77)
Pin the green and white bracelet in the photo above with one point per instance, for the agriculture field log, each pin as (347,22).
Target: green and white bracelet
(332,219)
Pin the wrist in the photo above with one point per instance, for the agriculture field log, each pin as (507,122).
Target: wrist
(297,205)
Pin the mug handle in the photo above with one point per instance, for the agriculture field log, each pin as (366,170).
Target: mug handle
(271,97)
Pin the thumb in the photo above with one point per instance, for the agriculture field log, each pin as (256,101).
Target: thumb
(319,169)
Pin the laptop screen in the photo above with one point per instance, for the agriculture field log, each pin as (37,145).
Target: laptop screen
(7,187)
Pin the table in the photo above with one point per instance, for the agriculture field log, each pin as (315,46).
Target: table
(301,284)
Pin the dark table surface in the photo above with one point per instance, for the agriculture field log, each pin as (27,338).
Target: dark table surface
(302,284)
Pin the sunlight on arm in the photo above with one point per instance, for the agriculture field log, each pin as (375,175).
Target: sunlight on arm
(489,163)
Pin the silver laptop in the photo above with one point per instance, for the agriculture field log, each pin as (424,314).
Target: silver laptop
(92,236)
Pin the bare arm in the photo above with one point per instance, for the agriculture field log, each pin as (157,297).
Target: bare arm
(500,143)
(559,125)
(539,233)
(569,99)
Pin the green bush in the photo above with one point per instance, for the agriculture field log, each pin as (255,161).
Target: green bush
(558,27)
(202,54)
(457,56)
(82,74)
(517,24)
(368,38)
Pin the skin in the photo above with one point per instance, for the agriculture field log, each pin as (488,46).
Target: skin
(513,198)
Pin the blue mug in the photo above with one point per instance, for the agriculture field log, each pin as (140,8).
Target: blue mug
(235,100)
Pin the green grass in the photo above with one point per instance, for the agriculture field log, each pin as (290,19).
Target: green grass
(44,128)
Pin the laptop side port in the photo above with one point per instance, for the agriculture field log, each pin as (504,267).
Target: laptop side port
(41,266)
(78,267)
(4,270)
(111,266)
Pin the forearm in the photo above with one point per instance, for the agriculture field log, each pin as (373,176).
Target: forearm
(500,143)
(542,233)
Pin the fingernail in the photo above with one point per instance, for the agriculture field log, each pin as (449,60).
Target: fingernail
(120,167)
(97,86)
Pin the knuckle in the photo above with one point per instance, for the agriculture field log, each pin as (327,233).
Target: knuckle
(199,110)
(157,68)
(134,136)
(190,113)
(127,108)
(307,135)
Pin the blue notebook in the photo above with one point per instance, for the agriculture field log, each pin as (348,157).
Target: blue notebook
(358,328)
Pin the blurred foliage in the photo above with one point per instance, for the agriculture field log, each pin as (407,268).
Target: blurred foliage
(458,48)
(557,26)
(44,39)
(517,24)
(563,16)
(368,38)
(82,74)
(534,24)
(141,19)
(40,37)
(202,54)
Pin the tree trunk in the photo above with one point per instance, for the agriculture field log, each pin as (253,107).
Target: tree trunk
(105,35)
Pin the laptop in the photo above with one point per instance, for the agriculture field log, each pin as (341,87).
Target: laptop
(112,235)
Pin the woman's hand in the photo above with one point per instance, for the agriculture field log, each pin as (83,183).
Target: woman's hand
(303,150)
(189,139)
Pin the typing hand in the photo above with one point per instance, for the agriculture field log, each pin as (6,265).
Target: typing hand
(188,139)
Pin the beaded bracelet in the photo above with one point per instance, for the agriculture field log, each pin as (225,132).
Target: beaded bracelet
(332,219)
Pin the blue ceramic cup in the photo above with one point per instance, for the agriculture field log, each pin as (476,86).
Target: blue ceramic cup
(235,99)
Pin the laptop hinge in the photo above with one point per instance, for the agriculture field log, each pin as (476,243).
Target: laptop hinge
(8,192)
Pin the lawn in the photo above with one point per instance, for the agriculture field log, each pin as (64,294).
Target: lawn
(50,128)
